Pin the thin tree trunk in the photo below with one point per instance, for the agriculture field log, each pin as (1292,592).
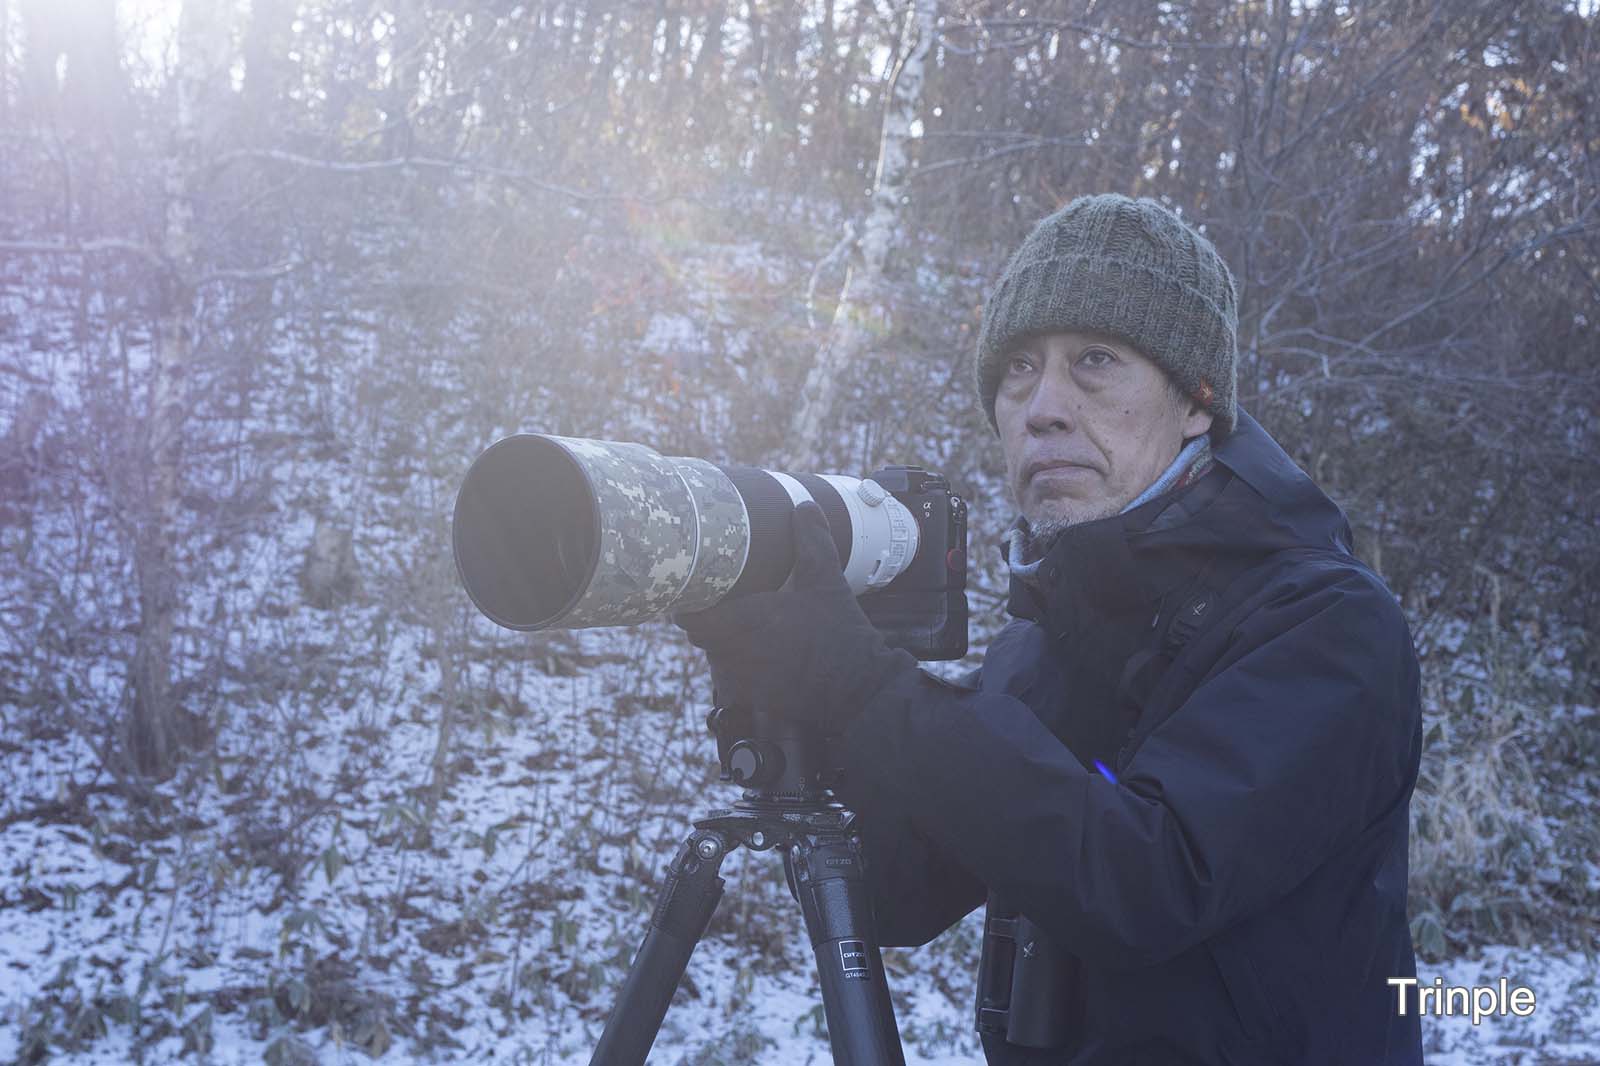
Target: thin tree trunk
(5,63)
(405,73)
(265,41)
(599,103)
(152,725)
(826,131)
(862,315)
(709,58)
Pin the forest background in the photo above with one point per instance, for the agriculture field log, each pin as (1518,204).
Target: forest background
(273,273)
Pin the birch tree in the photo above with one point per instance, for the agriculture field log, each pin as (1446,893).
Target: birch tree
(862,317)
(151,729)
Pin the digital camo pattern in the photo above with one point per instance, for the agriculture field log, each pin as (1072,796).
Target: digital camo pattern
(647,533)
(724,533)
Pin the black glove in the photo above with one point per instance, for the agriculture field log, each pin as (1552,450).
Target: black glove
(805,652)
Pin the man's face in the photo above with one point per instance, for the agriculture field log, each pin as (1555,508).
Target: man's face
(1087,423)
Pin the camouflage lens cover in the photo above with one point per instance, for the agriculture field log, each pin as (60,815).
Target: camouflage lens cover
(724,533)
(672,533)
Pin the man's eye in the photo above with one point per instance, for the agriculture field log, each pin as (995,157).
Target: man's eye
(1019,365)
(1097,357)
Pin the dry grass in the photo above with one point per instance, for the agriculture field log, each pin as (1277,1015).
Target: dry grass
(1485,863)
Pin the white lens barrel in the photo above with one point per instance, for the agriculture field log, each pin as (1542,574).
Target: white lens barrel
(883,533)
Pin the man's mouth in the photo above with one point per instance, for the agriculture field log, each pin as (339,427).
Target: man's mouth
(1032,469)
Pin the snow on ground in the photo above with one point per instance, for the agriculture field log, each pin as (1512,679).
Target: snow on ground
(1563,1028)
(305,908)
(177,938)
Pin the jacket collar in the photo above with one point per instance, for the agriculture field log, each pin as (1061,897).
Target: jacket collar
(1110,566)
(1254,501)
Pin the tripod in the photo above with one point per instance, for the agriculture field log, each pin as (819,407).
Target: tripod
(785,806)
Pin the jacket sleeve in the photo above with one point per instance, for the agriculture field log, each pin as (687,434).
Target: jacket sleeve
(918,891)
(1300,736)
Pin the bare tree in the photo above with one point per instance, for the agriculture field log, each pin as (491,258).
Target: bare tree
(862,317)
(152,730)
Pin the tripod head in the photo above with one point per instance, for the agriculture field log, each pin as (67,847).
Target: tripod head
(773,759)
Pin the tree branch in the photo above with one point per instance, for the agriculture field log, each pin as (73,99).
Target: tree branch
(370,166)
(837,255)
(106,244)
(1033,30)
(270,273)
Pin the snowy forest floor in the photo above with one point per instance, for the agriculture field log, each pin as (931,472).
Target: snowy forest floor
(326,902)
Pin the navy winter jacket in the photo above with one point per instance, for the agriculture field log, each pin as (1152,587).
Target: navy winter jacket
(1238,893)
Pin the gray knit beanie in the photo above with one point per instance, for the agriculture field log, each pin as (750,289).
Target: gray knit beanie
(1129,268)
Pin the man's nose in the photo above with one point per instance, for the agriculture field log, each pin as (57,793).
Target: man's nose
(1051,407)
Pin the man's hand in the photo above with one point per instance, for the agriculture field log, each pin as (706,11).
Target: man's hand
(805,652)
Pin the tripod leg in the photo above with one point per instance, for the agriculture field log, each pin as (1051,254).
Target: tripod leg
(828,877)
(689,895)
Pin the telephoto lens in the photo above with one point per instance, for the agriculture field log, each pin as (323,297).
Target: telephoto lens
(568,533)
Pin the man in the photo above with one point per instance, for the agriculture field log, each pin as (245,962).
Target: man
(1183,777)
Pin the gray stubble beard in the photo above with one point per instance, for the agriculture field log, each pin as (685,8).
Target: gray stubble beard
(1044,529)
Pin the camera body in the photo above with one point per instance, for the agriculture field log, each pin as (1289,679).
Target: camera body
(924,609)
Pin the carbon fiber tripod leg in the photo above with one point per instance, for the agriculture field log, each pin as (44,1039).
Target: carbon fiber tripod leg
(828,877)
(687,900)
